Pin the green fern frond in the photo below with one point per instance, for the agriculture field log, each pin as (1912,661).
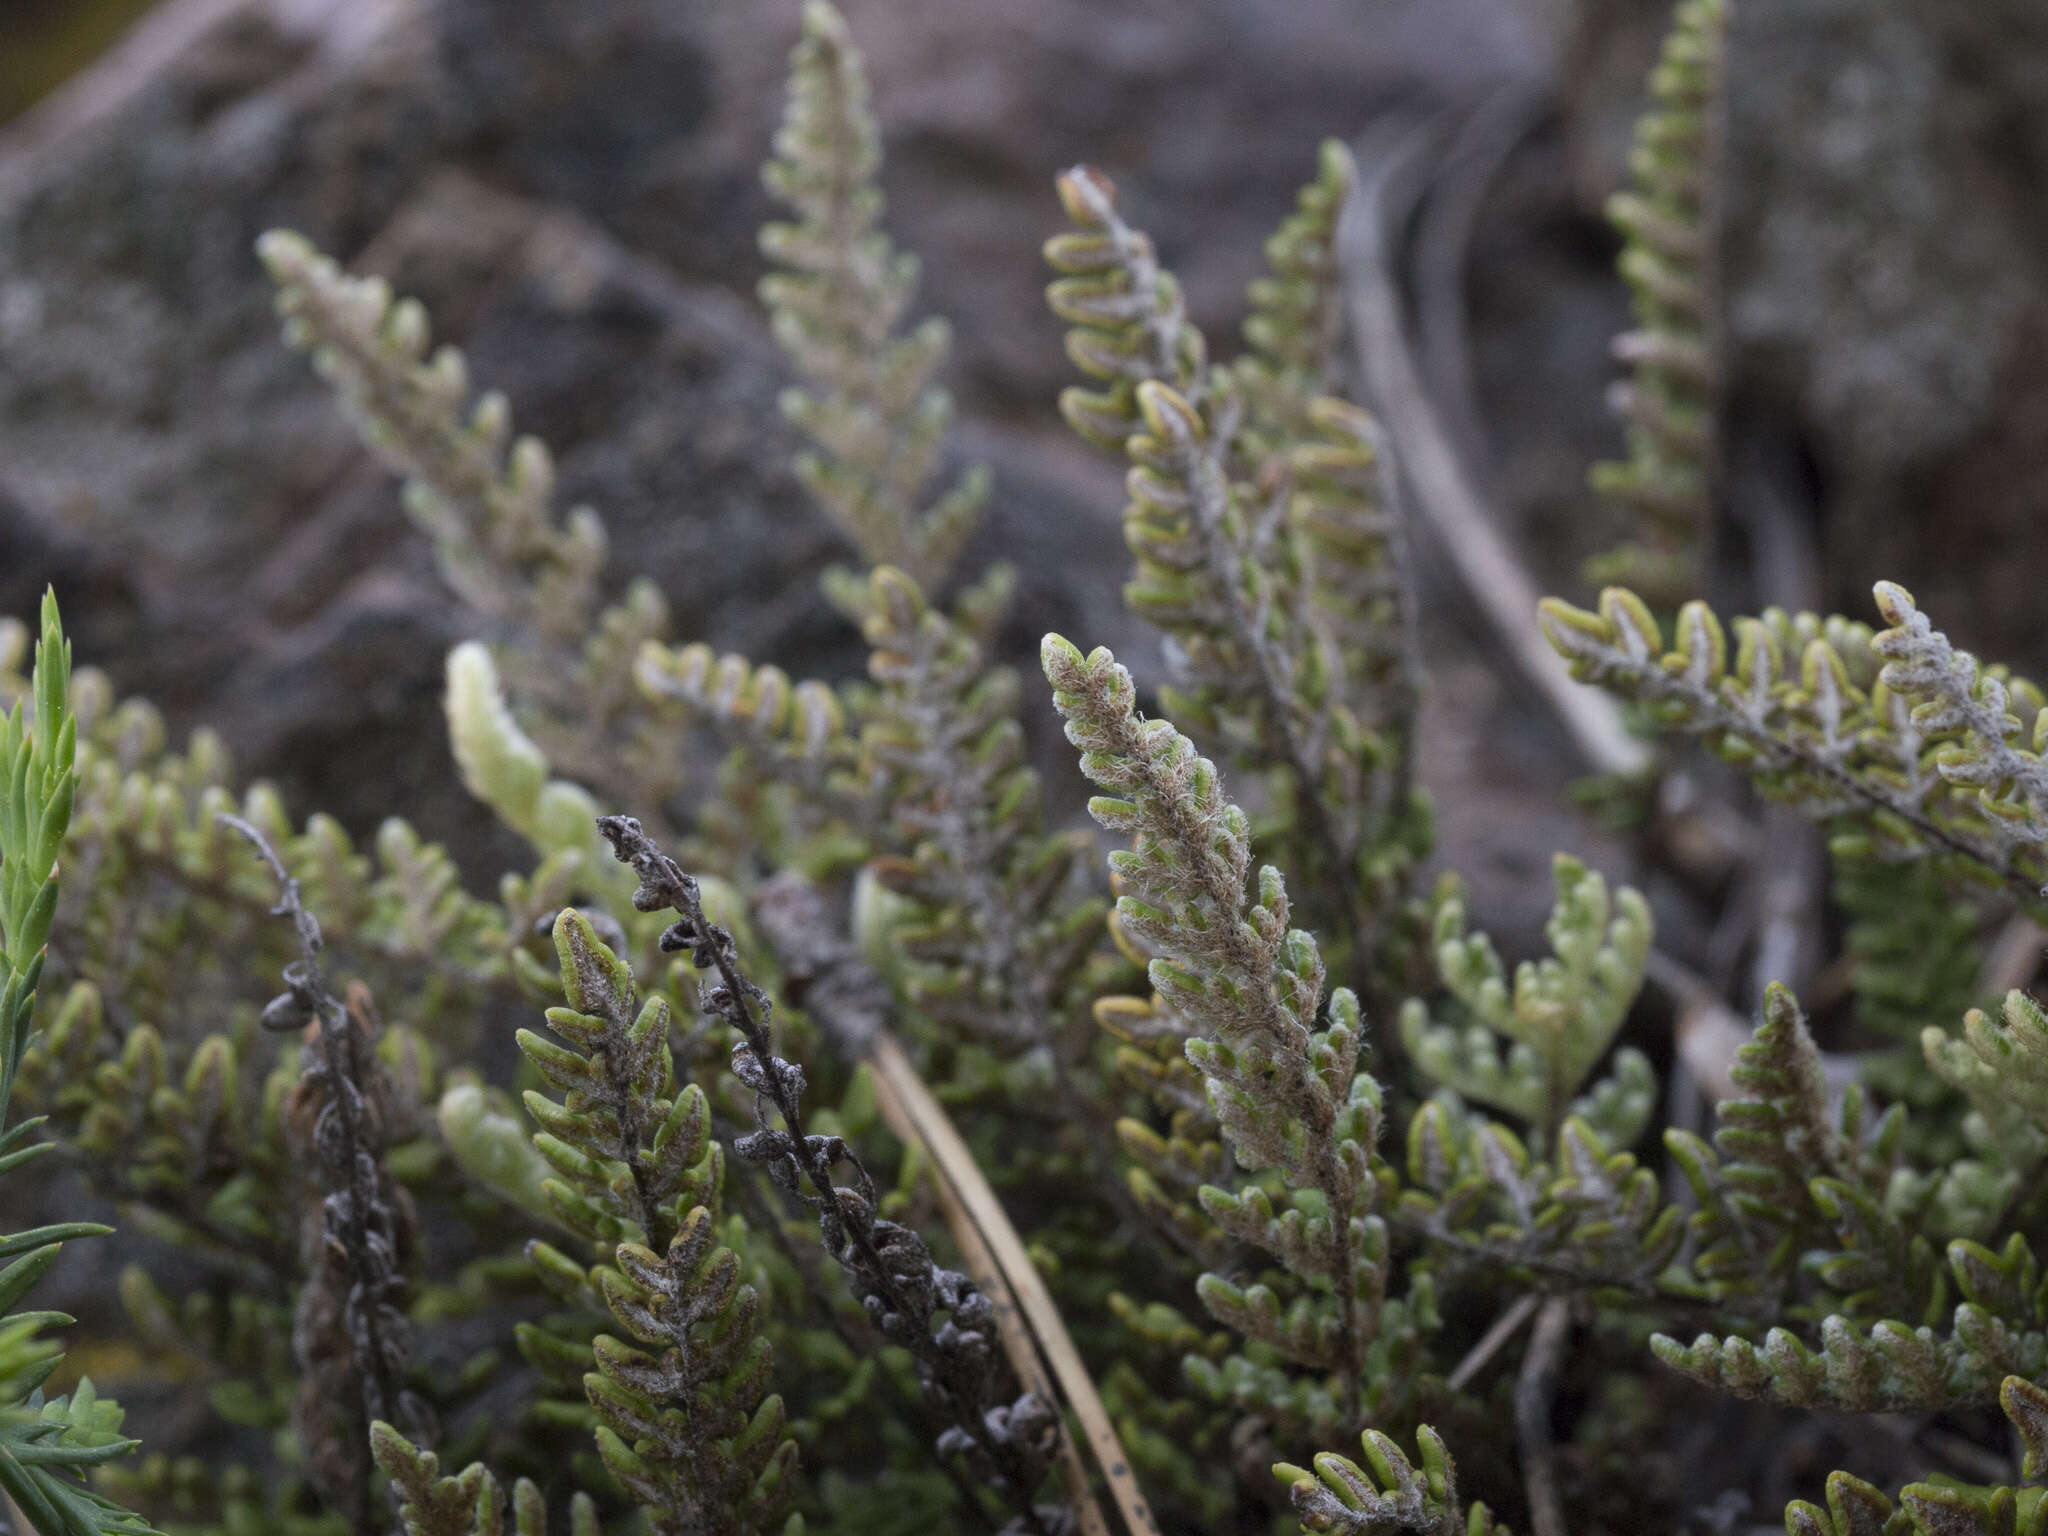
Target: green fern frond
(1561,1013)
(684,1418)
(877,422)
(468,1503)
(486,499)
(1388,1494)
(993,926)
(1840,724)
(1668,220)
(1294,328)
(1945,1507)
(1280,1076)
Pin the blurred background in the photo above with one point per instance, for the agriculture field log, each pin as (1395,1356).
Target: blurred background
(573,191)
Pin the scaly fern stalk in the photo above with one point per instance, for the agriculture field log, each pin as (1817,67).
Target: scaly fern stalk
(685,1422)
(47,1446)
(877,423)
(1841,724)
(1285,1092)
(1010,1442)
(350,1334)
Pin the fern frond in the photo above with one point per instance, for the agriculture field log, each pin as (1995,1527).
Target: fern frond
(876,421)
(1815,713)
(1668,220)
(1129,320)
(1294,329)
(1007,1438)
(1791,1175)
(685,1421)
(1559,1017)
(469,1502)
(1388,1494)
(486,499)
(2002,1065)
(1944,1508)
(1281,1082)
(994,925)
(1264,545)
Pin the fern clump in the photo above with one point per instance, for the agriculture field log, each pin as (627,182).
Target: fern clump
(892,1160)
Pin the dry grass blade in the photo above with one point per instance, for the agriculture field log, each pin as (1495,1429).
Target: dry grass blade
(1026,1314)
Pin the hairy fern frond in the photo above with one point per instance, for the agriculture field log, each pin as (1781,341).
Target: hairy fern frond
(1560,1015)
(1946,1507)
(2002,1065)
(1841,724)
(1389,1494)
(685,1422)
(1294,330)
(994,926)
(1129,321)
(1668,221)
(1795,1179)
(466,1503)
(1263,534)
(876,421)
(486,499)
(1281,1078)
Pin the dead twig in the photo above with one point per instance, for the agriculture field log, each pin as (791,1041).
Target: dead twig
(1489,1344)
(1391,174)
(825,975)
(1534,1389)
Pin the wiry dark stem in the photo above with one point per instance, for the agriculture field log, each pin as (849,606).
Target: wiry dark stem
(356,1216)
(846,1217)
